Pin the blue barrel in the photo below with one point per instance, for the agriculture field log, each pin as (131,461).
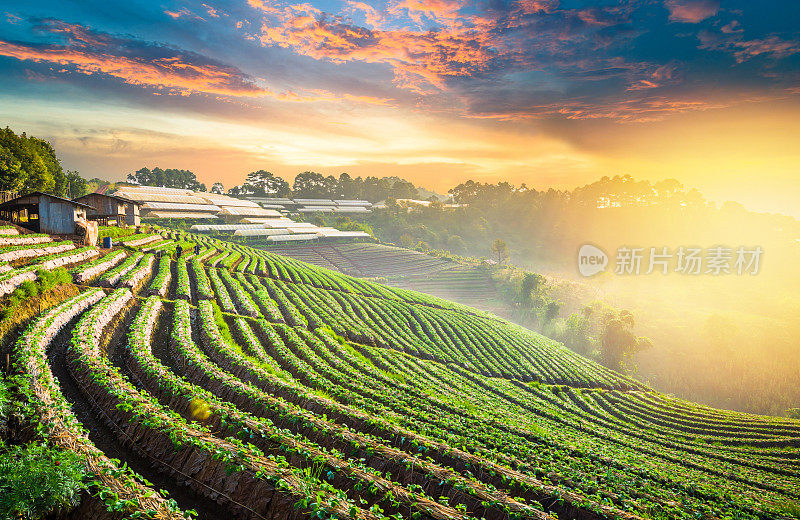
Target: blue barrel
(108,243)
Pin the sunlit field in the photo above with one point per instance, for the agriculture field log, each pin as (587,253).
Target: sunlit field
(400,260)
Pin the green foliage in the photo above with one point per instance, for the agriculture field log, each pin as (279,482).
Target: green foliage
(36,480)
(30,164)
(75,185)
(115,232)
(500,251)
(261,183)
(531,284)
(46,281)
(618,340)
(222,325)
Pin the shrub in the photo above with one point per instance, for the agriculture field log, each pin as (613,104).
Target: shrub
(36,480)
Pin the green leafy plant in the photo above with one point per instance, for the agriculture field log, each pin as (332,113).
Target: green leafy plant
(36,480)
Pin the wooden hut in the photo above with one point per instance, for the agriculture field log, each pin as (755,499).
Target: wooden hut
(111,208)
(44,213)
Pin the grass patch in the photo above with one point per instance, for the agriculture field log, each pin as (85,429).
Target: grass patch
(11,323)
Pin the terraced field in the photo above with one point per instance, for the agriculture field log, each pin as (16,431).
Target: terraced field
(251,385)
(404,268)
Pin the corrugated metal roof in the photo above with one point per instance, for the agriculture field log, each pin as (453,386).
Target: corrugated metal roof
(174,206)
(224,200)
(161,197)
(36,194)
(157,189)
(328,209)
(179,214)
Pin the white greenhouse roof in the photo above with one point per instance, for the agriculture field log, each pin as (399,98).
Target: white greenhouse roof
(224,200)
(249,211)
(315,202)
(353,202)
(260,232)
(175,206)
(157,189)
(318,209)
(179,214)
(160,197)
(351,209)
(225,227)
(291,238)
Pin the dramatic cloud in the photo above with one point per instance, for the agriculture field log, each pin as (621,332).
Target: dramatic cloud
(134,62)
(377,86)
(418,58)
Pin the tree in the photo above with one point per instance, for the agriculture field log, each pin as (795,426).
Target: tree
(530,287)
(76,185)
(169,178)
(29,164)
(402,189)
(618,341)
(263,184)
(551,311)
(578,334)
(500,250)
(217,188)
(313,185)
(348,188)
(456,244)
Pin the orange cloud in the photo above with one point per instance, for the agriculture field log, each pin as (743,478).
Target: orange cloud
(538,6)
(171,73)
(773,46)
(417,57)
(691,11)
(167,70)
(372,16)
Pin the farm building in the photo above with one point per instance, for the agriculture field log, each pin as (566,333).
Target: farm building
(111,208)
(44,213)
(177,203)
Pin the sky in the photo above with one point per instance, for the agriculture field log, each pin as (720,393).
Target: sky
(550,93)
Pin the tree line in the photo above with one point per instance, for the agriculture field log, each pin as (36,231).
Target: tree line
(306,185)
